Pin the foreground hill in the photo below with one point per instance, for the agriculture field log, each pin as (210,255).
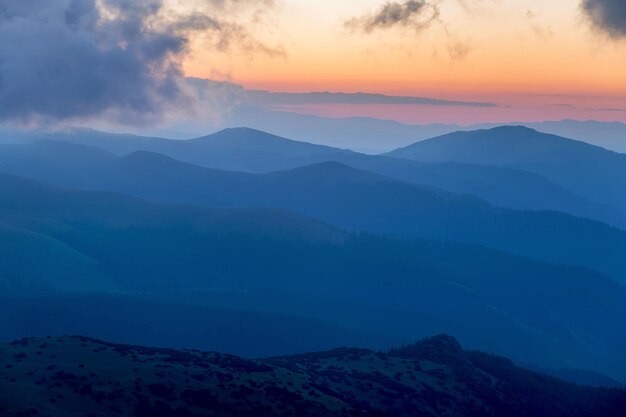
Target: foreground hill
(76,376)
(277,262)
(249,150)
(588,170)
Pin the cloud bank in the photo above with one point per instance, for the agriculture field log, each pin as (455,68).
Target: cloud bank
(608,16)
(67,60)
(267,99)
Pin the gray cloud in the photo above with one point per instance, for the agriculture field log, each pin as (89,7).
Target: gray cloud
(542,31)
(417,14)
(268,99)
(65,60)
(609,16)
(230,98)
(233,99)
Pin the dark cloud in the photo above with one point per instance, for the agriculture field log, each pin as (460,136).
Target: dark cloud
(82,59)
(609,16)
(417,14)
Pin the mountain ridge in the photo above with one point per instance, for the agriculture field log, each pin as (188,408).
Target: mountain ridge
(355,199)
(153,249)
(585,169)
(72,376)
(501,186)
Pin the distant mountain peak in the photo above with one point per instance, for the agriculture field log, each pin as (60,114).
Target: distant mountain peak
(513,128)
(235,133)
(500,133)
(248,138)
(243,129)
(512,139)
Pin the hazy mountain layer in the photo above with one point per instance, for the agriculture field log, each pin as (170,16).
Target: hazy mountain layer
(589,171)
(347,198)
(253,151)
(550,315)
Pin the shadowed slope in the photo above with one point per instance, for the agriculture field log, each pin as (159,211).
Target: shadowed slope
(309,269)
(360,200)
(75,376)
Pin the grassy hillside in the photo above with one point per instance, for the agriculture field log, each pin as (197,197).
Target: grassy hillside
(77,376)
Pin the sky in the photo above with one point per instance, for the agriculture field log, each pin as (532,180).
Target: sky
(129,62)
(490,46)
(537,59)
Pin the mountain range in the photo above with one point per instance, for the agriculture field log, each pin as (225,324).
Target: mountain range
(374,136)
(335,193)
(171,252)
(252,151)
(347,248)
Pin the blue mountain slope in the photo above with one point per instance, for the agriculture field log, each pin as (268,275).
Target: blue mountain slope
(354,199)
(254,151)
(526,309)
(587,170)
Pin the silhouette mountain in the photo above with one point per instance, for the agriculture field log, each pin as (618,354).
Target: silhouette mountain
(78,376)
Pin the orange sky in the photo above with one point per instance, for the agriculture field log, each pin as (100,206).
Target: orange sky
(500,49)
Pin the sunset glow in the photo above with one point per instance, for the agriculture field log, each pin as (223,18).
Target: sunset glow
(539,53)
